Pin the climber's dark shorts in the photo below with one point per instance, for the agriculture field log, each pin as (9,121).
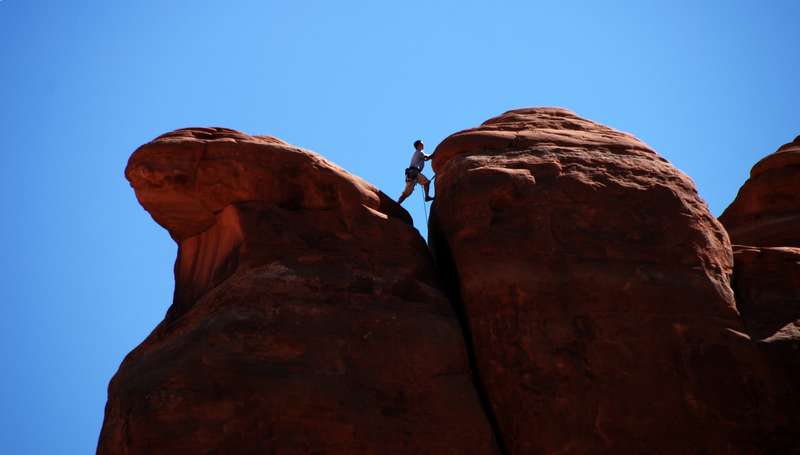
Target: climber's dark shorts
(411,174)
(414,176)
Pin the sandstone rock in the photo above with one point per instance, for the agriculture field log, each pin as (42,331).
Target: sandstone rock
(306,316)
(767,284)
(766,212)
(595,284)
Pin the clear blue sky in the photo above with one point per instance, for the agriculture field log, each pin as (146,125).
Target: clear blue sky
(712,85)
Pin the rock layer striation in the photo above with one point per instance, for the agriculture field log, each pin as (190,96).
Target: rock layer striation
(306,316)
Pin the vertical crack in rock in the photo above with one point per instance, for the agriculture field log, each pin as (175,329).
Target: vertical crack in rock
(448,272)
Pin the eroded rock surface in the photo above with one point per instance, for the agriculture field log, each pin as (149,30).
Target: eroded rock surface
(766,212)
(767,284)
(306,316)
(595,284)
(765,219)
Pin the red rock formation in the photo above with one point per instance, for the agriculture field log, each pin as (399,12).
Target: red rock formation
(766,212)
(595,285)
(306,318)
(767,283)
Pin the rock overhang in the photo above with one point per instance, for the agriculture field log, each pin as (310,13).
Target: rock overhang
(184,177)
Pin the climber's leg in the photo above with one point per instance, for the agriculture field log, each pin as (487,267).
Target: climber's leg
(426,184)
(407,191)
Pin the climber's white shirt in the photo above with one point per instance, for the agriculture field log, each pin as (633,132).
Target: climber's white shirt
(418,159)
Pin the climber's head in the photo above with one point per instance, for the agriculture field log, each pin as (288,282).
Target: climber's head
(418,144)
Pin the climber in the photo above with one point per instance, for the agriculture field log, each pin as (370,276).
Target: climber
(414,173)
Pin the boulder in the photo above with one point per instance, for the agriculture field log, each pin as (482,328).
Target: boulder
(307,316)
(594,284)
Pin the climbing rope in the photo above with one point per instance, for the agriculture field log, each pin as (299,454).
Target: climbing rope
(424,208)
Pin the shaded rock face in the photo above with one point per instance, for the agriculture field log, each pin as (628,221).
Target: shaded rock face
(767,284)
(306,318)
(595,286)
(766,212)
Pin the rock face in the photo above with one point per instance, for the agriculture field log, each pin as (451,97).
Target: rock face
(766,211)
(306,316)
(765,219)
(767,284)
(595,285)
(585,307)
